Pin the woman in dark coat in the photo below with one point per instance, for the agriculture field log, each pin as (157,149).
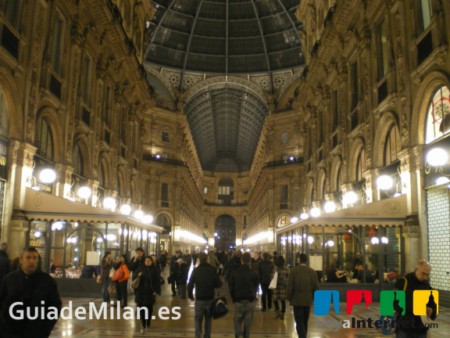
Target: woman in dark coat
(149,286)
(279,294)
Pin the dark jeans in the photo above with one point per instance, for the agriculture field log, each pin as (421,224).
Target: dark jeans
(266,295)
(277,306)
(203,310)
(182,290)
(105,293)
(142,312)
(243,313)
(301,316)
(174,286)
(410,334)
(122,293)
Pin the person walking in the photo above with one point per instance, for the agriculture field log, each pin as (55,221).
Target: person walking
(409,325)
(266,267)
(33,289)
(4,260)
(105,268)
(149,287)
(279,294)
(174,273)
(121,276)
(204,279)
(302,283)
(243,287)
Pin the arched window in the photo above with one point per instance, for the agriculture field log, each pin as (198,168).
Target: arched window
(360,165)
(437,121)
(3,115)
(284,139)
(391,145)
(101,174)
(44,139)
(283,221)
(77,160)
(338,179)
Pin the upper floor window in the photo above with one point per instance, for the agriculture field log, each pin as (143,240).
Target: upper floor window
(360,165)
(225,190)
(44,139)
(3,115)
(391,146)
(335,109)
(165,195)
(382,49)
(11,10)
(77,161)
(165,136)
(57,44)
(85,84)
(101,174)
(284,196)
(106,112)
(354,90)
(423,13)
(284,139)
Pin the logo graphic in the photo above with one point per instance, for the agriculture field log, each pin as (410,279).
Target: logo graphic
(392,302)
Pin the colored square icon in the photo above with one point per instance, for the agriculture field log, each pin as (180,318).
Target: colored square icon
(423,299)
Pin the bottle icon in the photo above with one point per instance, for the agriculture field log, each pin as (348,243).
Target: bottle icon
(397,308)
(432,304)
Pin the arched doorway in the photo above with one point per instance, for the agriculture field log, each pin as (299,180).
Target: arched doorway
(225,232)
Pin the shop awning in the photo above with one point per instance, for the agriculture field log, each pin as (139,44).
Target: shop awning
(47,207)
(389,212)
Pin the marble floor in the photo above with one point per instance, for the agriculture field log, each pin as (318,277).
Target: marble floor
(264,323)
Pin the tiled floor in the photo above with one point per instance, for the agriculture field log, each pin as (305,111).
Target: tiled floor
(264,323)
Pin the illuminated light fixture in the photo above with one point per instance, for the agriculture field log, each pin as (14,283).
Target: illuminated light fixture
(437,157)
(99,240)
(111,237)
(350,197)
(47,176)
(329,206)
(125,209)
(374,240)
(147,219)
(109,203)
(139,214)
(384,240)
(385,182)
(315,212)
(310,239)
(37,234)
(304,215)
(442,180)
(330,243)
(157,156)
(84,192)
(294,219)
(397,194)
(144,233)
(57,226)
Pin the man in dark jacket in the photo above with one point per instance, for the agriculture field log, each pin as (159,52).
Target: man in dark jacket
(27,290)
(266,268)
(410,325)
(243,287)
(204,278)
(302,283)
(174,273)
(137,262)
(4,261)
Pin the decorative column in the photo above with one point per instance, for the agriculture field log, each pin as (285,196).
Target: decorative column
(64,180)
(411,233)
(371,192)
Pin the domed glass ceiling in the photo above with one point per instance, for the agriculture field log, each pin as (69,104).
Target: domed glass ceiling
(225,36)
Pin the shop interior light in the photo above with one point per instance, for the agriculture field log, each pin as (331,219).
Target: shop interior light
(111,237)
(310,239)
(99,240)
(315,212)
(374,240)
(384,240)
(147,219)
(350,197)
(109,203)
(47,176)
(385,182)
(330,243)
(329,206)
(294,219)
(37,234)
(125,209)
(84,192)
(437,157)
(138,214)
(57,226)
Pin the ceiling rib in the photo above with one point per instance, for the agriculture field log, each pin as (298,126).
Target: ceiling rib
(294,27)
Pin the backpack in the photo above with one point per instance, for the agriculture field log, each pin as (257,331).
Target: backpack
(219,307)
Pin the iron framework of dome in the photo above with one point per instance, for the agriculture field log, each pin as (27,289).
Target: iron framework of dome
(225,36)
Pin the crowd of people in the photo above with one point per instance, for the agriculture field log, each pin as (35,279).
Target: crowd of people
(243,273)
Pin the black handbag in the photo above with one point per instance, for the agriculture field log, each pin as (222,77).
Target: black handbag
(219,307)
